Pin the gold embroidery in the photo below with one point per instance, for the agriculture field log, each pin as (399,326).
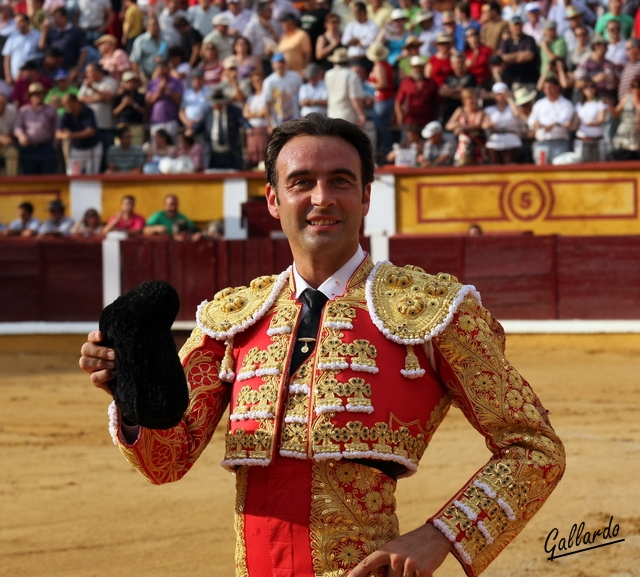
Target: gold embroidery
(193,342)
(410,303)
(363,355)
(242,478)
(352,515)
(340,314)
(528,456)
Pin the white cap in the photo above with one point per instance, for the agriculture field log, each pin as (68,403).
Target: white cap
(430,129)
(532,7)
(499,88)
(221,19)
(416,61)
(398,14)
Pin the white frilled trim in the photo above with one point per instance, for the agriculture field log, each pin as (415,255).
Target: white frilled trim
(272,332)
(375,455)
(364,368)
(507,509)
(338,325)
(412,373)
(487,490)
(299,389)
(246,375)
(341,366)
(253,415)
(231,464)
(463,292)
(294,419)
(329,409)
(280,283)
(485,532)
(442,526)
(359,408)
(466,510)
(463,553)
(114,422)
(227,377)
(265,372)
(293,454)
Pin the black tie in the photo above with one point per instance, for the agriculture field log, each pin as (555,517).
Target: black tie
(308,329)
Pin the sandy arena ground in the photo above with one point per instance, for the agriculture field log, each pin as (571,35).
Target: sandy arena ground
(70,506)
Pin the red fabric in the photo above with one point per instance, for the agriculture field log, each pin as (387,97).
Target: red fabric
(276,519)
(440,69)
(388,93)
(479,66)
(421,106)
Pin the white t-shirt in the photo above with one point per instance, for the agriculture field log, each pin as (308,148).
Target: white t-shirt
(366,33)
(282,93)
(317,92)
(558,112)
(588,114)
(504,120)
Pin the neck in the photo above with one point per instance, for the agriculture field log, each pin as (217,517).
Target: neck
(315,269)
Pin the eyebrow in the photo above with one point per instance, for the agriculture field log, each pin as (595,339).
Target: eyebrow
(308,172)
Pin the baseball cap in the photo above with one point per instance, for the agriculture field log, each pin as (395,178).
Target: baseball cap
(532,7)
(516,20)
(430,129)
(499,88)
(573,12)
(129,75)
(36,87)
(61,75)
(550,25)
(398,14)
(221,20)
(416,61)
(277,57)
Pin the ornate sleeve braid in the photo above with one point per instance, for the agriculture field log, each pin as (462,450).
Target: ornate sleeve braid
(166,456)
(528,458)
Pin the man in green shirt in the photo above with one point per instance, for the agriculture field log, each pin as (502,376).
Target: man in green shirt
(169,220)
(61,88)
(551,47)
(615,13)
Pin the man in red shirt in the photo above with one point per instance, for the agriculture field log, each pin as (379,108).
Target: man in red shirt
(417,99)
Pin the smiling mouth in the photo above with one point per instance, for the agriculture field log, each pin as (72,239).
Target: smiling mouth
(322,222)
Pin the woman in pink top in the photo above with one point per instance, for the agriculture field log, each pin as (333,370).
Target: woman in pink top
(126,220)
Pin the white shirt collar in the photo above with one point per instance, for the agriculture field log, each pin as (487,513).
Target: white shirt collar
(336,284)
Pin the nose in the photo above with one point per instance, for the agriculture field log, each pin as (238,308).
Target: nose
(322,194)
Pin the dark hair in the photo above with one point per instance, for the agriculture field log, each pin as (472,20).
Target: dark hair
(552,80)
(164,134)
(495,6)
(262,6)
(319,125)
(360,6)
(98,68)
(238,38)
(190,140)
(464,8)
(62,11)
(587,83)
(174,52)
(180,22)
(129,197)
(23,16)
(54,52)
(331,16)
(26,206)
(121,130)
(635,81)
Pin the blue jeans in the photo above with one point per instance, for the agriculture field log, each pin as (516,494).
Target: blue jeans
(382,111)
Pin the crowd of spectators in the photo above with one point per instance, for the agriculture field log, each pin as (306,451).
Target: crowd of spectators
(166,86)
(165,222)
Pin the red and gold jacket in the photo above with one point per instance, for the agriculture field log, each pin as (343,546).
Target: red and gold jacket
(369,390)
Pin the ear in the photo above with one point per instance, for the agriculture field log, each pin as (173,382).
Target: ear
(366,200)
(272,201)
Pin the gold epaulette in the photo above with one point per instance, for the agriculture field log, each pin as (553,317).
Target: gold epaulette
(410,306)
(234,309)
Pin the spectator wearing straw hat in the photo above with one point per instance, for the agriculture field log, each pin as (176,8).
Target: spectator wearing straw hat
(220,36)
(426,31)
(575,21)
(35,129)
(57,224)
(417,100)
(438,66)
(113,60)
(129,106)
(597,68)
(381,79)
(346,94)
(411,48)
(395,34)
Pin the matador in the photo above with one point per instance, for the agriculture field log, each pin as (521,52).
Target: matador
(317,449)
